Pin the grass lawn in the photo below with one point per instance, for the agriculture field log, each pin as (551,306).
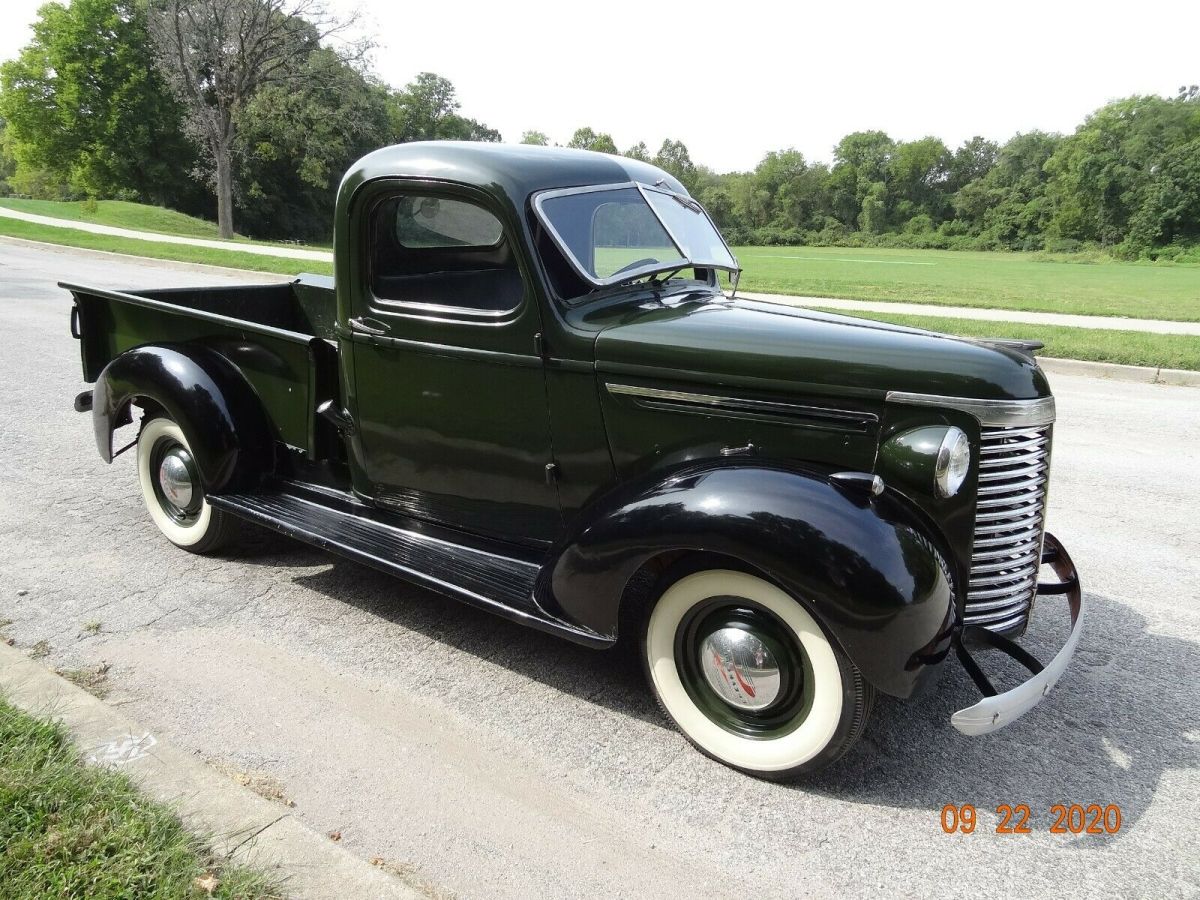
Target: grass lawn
(76,831)
(1025,281)
(1131,348)
(122,214)
(69,237)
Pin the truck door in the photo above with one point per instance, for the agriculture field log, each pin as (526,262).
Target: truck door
(447,388)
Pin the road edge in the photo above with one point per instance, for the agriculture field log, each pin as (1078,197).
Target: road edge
(241,826)
(1117,372)
(273,277)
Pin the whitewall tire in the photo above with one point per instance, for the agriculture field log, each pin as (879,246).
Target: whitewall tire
(749,676)
(172,491)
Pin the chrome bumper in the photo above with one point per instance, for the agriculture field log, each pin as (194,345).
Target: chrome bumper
(996,710)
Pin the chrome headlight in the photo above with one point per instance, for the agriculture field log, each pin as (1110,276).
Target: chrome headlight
(953,461)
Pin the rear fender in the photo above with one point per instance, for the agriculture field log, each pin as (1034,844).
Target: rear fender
(204,393)
(865,566)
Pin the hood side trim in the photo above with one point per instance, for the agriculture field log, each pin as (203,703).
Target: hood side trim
(742,407)
(992,413)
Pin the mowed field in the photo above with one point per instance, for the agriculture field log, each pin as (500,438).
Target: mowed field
(1061,283)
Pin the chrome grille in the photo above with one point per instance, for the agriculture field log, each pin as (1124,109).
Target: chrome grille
(1014,467)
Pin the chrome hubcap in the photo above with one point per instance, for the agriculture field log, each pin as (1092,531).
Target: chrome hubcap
(175,478)
(740,668)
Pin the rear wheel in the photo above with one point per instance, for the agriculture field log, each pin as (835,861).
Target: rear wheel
(749,677)
(172,490)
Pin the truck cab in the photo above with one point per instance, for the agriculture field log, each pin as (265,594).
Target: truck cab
(526,388)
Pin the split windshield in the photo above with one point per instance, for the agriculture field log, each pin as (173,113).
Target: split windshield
(616,234)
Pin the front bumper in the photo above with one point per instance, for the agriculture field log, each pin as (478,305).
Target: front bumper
(996,710)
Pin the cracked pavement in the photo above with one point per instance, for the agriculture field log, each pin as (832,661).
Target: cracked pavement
(482,759)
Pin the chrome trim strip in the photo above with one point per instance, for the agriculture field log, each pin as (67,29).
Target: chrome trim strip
(992,413)
(744,406)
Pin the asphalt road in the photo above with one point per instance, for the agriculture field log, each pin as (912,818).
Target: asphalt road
(484,760)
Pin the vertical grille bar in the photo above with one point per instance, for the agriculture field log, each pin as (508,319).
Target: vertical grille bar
(1014,469)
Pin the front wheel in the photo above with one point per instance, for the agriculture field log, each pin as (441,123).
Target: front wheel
(749,677)
(172,490)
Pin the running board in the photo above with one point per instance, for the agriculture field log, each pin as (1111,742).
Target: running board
(414,551)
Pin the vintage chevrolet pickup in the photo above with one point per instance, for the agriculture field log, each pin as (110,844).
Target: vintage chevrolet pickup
(526,389)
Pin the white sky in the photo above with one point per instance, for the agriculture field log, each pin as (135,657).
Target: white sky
(733,80)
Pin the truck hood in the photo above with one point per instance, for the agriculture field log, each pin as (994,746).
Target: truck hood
(768,345)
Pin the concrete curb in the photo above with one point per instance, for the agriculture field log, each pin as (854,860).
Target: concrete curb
(1117,372)
(245,828)
(262,277)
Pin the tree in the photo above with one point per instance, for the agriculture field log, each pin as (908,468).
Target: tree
(295,142)
(917,173)
(638,151)
(860,162)
(427,110)
(86,108)
(217,54)
(1101,175)
(536,138)
(1008,205)
(587,139)
(972,161)
(8,163)
(673,156)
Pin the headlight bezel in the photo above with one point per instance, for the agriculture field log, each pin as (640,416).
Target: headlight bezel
(953,462)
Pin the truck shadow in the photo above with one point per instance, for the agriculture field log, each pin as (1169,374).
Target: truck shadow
(1123,715)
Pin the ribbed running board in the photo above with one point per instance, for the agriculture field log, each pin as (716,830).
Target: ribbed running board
(500,584)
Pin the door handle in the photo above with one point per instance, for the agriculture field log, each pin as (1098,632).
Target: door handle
(367,325)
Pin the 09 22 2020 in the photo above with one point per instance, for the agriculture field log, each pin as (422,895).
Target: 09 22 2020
(1018,818)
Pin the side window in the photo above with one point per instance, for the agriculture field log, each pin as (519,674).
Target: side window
(442,252)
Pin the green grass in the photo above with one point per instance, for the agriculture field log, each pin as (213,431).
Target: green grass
(1021,281)
(69,237)
(1131,348)
(76,831)
(122,214)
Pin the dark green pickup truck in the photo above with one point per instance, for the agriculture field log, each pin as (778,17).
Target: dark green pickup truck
(526,389)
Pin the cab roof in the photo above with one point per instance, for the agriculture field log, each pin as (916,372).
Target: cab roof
(511,171)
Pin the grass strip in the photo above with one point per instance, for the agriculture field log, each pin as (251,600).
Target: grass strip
(1017,281)
(235,259)
(72,830)
(136,216)
(1130,348)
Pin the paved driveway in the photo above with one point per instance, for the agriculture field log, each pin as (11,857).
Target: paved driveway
(489,761)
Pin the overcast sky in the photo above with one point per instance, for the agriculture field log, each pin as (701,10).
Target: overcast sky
(733,80)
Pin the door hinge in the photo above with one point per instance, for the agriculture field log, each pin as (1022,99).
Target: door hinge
(551,473)
(539,346)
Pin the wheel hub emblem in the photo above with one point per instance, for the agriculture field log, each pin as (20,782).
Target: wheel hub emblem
(175,480)
(740,668)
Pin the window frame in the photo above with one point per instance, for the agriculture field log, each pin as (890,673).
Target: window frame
(381,306)
(455,247)
(594,280)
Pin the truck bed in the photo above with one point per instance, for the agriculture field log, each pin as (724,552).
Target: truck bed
(279,336)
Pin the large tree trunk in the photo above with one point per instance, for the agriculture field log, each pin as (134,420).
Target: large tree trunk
(224,160)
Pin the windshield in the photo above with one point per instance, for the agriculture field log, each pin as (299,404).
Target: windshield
(617,233)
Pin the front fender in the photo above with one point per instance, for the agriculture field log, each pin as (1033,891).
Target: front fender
(864,566)
(209,399)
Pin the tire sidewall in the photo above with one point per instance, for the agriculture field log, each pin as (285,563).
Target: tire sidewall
(186,536)
(813,742)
